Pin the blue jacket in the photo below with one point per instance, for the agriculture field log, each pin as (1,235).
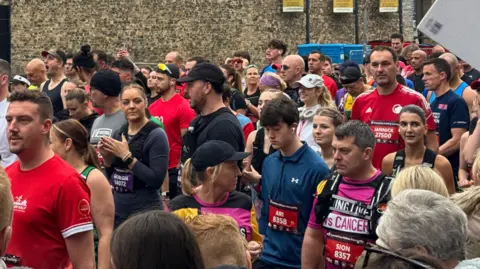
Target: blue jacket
(293,181)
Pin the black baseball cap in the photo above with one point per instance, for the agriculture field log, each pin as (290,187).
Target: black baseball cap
(172,70)
(59,54)
(350,75)
(107,82)
(204,71)
(215,152)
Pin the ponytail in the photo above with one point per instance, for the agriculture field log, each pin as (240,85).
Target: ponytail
(91,157)
(187,186)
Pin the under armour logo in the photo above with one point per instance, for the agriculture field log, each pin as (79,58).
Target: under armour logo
(294,180)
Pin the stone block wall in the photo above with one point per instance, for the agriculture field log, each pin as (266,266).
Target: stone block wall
(211,28)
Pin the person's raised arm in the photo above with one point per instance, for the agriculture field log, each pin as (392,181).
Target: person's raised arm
(472,144)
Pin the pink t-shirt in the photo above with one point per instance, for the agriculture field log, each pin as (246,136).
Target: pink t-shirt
(360,191)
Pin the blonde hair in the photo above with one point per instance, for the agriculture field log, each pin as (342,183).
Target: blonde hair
(6,201)
(469,202)
(191,179)
(219,239)
(325,99)
(419,177)
(332,113)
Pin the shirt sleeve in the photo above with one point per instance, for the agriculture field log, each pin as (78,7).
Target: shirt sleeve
(355,114)
(72,209)
(156,145)
(186,116)
(247,129)
(256,236)
(460,117)
(422,102)
(238,101)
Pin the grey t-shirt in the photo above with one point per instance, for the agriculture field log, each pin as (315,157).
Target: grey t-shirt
(106,125)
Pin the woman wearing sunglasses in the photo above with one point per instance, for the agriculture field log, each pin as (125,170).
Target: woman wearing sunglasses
(135,158)
(413,129)
(69,140)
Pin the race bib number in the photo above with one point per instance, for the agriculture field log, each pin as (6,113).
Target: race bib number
(343,251)
(385,132)
(122,181)
(283,217)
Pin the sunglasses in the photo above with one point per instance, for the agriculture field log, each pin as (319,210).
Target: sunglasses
(281,67)
(164,68)
(237,61)
(370,248)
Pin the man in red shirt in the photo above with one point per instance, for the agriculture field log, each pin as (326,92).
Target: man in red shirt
(379,108)
(175,113)
(316,62)
(52,225)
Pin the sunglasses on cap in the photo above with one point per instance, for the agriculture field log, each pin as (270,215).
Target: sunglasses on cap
(281,67)
(370,248)
(164,68)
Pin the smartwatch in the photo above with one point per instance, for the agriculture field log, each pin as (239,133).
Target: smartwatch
(128,161)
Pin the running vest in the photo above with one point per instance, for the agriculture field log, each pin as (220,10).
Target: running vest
(86,172)
(459,91)
(55,95)
(347,233)
(399,162)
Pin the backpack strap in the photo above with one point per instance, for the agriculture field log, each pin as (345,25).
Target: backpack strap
(379,202)
(398,162)
(429,158)
(259,139)
(459,90)
(326,189)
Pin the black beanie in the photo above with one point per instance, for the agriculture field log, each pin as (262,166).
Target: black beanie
(84,58)
(107,82)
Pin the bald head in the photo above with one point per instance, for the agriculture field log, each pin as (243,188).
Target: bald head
(174,57)
(453,62)
(294,68)
(438,49)
(418,58)
(36,72)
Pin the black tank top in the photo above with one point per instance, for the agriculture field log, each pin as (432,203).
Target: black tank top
(54,95)
(258,154)
(399,162)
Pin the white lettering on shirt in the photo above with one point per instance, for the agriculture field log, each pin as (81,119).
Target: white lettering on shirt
(346,224)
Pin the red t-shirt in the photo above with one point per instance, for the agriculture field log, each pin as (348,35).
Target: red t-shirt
(48,207)
(331,85)
(381,113)
(175,114)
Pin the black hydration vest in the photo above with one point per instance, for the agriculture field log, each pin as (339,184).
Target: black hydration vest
(258,155)
(399,162)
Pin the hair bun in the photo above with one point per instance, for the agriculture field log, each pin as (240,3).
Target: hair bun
(86,49)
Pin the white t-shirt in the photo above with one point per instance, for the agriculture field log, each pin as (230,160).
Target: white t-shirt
(305,126)
(6,157)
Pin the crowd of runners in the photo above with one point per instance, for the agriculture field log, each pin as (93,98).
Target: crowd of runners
(300,163)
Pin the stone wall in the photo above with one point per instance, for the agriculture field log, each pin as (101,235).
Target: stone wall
(212,28)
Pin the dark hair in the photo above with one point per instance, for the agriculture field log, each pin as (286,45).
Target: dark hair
(383,48)
(401,80)
(148,68)
(124,65)
(279,110)
(69,55)
(441,65)
(363,134)
(414,109)
(279,45)
(135,243)
(84,59)
(435,55)
(243,54)
(39,98)
(328,59)
(322,56)
(101,55)
(198,59)
(397,36)
(227,92)
(5,68)
(237,78)
(74,130)
(77,94)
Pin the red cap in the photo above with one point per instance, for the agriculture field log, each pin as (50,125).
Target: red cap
(476,84)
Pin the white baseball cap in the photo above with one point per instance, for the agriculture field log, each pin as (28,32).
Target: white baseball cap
(310,81)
